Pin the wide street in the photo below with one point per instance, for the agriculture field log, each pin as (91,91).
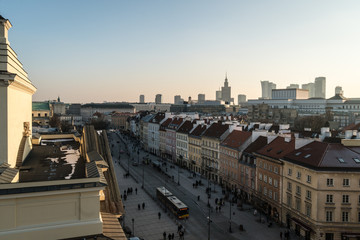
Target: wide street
(146,222)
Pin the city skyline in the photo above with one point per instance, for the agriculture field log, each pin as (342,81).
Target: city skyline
(120,50)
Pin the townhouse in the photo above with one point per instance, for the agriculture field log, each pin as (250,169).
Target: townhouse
(195,148)
(210,149)
(230,151)
(321,190)
(153,133)
(170,140)
(182,143)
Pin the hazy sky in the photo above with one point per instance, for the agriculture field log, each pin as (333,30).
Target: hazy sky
(94,51)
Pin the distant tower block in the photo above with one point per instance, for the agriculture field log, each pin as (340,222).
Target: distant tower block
(158,99)
(241,98)
(267,88)
(142,99)
(201,98)
(339,91)
(320,87)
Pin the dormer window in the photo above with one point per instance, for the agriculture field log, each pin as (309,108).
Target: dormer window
(307,155)
(357,160)
(297,154)
(341,160)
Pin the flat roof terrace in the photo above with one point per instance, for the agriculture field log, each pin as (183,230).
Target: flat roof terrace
(58,160)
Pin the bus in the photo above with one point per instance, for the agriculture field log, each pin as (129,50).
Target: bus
(177,207)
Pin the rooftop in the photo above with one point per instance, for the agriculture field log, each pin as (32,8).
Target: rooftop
(198,131)
(235,139)
(216,130)
(40,106)
(278,148)
(259,143)
(53,161)
(185,127)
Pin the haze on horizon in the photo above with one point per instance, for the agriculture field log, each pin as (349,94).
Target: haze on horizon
(94,51)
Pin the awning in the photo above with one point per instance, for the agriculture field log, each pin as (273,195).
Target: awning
(303,225)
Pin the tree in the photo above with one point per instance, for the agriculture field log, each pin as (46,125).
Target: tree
(313,122)
(54,121)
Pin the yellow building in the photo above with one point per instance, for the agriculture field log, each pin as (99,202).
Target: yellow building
(321,194)
(195,147)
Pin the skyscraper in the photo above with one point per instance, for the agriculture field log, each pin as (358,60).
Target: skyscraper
(266,88)
(241,98)
(311,88)
(339,91)
(292,85)
(142,99)
(320,87)
(226,91)
(218,95)
(201,98)
(158,99)
(178,99)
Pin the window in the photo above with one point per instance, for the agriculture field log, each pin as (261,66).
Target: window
(276,170)
(298,175)
(308,194)
(308,210)
(297,204)
(276,183)
(288,200)
(45,114)
(330,182)
(346,182)
(308,178)
(298,190)
(329,198)
(329,216)
(265,178)
(39,115)
(275,196)
(345,216)
(345,198)
(358,216)
(289,171)
(265,191)
(289,186)
(270,193)
(357,160)
(359,199)
(270,168)
(260,176)
(341,160)
(270,180)
(265,165)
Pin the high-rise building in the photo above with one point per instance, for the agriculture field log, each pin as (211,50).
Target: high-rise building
(226,92)
(158,99)
(320,87)
(292,85)
(178,99)
(142,99)
(339,91)
(310,87)
(266,88)
(218,95)
(241,98)
(201,98)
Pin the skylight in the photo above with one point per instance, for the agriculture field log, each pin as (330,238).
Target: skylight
(307,155)
(357,160)
(280,151)
(269,149)
(297,154)
(341,160)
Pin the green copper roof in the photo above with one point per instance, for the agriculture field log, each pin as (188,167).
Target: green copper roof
(40,106)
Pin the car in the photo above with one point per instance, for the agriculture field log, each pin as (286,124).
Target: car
(135,164)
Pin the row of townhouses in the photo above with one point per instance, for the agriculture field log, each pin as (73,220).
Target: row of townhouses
(311,185)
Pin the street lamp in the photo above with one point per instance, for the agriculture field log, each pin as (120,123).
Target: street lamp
(133,230)
(180,160)
(230,201)
(209,222)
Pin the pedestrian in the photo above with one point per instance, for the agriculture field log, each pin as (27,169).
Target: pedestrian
(169,236)
(219,208)
(198,197)
(172,236)
(136,191)
(125,196)
(159,215)
(164,235)
(281,235)
(143,206)
(138,206)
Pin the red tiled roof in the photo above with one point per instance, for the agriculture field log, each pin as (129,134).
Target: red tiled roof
(198,131)
(175,123)
(216,130)
(326,155)
(185,127)
(260,142)
(278,148)
(235,139)
(352,126)
(165,124)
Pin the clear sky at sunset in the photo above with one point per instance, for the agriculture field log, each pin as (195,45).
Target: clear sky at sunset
(94,51)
